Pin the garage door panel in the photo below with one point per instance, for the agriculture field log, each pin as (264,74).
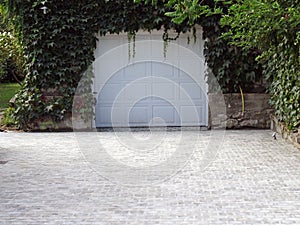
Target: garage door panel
(110,43)
(190,115)
(142,102)
(107,67)
(116,78)
(162,71)
(190,91)
(142,48)
(166,113)
(136,71)
(139,115)
(184,78)
(164,90)
(104,115)
(108,115)
(136,91)
(110,92)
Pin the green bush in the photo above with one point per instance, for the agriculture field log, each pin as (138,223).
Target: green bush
(7,120)
(12,60)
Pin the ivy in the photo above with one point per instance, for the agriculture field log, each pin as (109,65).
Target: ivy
(230,66)
(274,28)
(59,41)
(59,46)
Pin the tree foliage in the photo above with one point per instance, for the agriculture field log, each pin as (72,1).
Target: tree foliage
(230,67)
(12,61)
(272,26)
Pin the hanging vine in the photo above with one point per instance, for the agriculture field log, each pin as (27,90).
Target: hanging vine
(131,38)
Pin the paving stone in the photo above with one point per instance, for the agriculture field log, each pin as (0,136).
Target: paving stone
(249,179)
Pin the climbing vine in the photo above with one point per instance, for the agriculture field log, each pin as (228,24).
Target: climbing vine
(59,41)
(230,66)
(59,47)
(274,28)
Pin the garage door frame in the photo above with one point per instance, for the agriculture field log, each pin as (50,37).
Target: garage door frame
(188,57)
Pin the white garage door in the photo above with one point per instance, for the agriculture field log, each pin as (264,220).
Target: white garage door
(148,91)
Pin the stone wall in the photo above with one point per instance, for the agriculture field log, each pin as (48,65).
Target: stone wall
(69,123)
(226,111)
(280,127)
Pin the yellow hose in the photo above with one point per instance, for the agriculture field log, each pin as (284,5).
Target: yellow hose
(243,100)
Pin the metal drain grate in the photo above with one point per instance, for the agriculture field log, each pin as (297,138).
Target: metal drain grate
(3,162)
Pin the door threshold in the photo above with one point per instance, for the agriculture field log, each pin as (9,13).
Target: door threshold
(148,129)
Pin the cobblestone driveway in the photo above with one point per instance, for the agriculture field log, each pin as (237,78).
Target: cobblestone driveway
(252,180)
